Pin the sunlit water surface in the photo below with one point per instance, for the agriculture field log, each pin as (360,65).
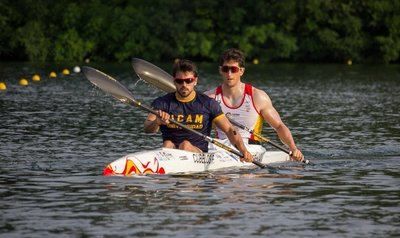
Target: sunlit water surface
(57,135)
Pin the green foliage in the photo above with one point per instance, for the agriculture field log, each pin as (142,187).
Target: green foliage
(32,37)
(116,30)
(5,26)
(384,23)
(70,47)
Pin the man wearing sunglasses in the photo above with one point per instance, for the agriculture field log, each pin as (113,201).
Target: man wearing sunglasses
(246,104)
(194,109)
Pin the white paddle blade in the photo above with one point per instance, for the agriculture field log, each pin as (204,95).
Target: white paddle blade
(154,75)
(108,84)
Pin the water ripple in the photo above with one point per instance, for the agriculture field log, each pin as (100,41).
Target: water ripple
(56,137)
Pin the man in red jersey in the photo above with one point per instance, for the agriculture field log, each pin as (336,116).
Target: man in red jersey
(246,104)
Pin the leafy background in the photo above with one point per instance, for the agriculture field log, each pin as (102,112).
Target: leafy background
(269,30)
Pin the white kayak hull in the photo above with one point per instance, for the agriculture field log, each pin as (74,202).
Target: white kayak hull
(174,161)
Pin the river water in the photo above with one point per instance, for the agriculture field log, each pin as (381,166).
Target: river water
(57,135)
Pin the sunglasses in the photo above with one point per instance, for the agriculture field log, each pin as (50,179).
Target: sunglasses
(186,80)
(233,69)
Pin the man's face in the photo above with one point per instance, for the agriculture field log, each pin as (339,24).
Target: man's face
(231,72)
(185,83)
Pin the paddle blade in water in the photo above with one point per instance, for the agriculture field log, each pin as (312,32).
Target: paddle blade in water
(108,84)
(153,75)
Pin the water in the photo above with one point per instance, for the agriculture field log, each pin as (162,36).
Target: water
(57,135)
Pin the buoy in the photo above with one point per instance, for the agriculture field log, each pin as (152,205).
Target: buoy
(36,78)
(255,61)
(65,72)
(3,86)
(77,69)
(53,74)
(349,62)
(23,82)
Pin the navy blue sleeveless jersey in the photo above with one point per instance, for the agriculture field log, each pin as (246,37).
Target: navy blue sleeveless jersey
(197,114)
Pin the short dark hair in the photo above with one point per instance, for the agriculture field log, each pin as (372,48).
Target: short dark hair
(232,54)
(184,65)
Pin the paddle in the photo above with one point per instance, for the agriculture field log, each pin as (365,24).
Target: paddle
(120,92)
(163,81)
(262,138)
(153,75)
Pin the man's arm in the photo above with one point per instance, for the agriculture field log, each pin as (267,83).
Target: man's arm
(271,116)
(153,122)
(234,137)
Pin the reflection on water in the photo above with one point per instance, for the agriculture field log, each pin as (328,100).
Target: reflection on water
(57,135)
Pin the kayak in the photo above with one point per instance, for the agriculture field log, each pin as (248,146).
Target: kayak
(174,161)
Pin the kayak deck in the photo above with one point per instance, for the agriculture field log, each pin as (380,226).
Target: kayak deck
(173,161)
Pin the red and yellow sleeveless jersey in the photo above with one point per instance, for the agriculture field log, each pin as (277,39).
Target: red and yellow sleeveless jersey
(246,113)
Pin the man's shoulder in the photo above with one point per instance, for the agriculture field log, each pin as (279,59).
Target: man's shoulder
(260,98)
(209,104)
(204,96)
(211,92)
(258,92)
(206,100)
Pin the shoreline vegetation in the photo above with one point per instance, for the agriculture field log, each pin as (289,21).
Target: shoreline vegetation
(313,31)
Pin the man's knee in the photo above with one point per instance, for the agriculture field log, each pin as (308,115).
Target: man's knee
(168,144)
(185,145)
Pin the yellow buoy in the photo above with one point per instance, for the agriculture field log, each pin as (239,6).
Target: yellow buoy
(255,61)
(3,86)
(53,74)
(65,72)
(23,82)
(36,78)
